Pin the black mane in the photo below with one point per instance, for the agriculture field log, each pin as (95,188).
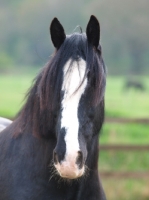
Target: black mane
(43,99)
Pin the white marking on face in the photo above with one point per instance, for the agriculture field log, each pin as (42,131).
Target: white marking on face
(73,77)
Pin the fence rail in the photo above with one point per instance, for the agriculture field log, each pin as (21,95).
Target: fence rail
(124,147)
(127,147)
(123,175)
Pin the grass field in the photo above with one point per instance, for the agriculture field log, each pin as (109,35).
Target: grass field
(131,103)
(118,103)
(12,92)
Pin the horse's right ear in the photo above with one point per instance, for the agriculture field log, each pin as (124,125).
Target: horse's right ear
(57,33)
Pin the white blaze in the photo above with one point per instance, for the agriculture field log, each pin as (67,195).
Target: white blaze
(73,77)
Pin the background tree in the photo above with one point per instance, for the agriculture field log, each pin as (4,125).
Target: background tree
(25,39)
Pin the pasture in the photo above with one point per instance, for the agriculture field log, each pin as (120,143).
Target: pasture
(119,103)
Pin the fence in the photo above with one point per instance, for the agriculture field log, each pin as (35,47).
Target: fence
(125,174)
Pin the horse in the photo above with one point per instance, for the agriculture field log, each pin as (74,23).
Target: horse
(134,84)
(50,151)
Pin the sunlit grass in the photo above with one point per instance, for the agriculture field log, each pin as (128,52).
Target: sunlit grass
(120,160)
(124,134)
(12,92)
(131,103)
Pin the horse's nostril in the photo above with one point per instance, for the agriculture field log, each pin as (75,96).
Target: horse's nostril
(79,161)
(55,157)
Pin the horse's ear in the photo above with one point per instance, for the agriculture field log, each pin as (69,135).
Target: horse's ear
(57,33)
(93,31)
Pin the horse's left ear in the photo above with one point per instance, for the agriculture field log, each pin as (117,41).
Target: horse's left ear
(57,33)
(93,31)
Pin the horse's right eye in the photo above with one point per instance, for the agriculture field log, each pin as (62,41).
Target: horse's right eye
(99,49)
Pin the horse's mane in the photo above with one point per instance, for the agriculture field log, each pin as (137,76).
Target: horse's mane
(43,99)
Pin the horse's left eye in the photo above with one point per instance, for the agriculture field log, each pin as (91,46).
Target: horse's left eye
(91,113)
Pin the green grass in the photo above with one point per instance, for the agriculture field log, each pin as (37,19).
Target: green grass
(12,92)
(125,134)
(123,161)
(130,104)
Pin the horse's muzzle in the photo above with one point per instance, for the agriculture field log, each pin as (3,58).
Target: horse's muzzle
(71,167)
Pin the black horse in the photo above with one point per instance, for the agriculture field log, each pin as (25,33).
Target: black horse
(50,152)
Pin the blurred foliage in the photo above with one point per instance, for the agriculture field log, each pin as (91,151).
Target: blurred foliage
(25,36)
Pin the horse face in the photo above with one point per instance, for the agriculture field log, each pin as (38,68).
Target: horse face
(76,117)
(68,155)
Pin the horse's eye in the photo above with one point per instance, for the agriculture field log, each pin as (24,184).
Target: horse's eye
(88,74)
(55,116)
(91,113)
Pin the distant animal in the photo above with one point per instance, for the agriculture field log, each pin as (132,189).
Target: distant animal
(4,123)
(50,151)
(134,84)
